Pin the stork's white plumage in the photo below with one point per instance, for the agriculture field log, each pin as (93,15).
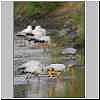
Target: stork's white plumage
(42,30)
(58,67)
(32,67)
(38,31)
(28,29)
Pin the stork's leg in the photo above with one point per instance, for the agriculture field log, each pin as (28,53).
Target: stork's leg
(38,77)
(28,76)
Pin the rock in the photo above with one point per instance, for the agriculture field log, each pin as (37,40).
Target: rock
(69,51)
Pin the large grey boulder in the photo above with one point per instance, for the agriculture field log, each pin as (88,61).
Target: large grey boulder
(69,51)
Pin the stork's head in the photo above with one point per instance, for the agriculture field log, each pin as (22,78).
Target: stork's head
(29,27)
(37,27)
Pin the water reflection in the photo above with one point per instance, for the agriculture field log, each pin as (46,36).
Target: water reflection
(72,83)
(59,88)
(37,88)
(51,88)
(33,88)
(56,88)
(73,88)
(20,91)
(45,87)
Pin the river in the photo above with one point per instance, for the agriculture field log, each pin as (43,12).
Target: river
(44,87)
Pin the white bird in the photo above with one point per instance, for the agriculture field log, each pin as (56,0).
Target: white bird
(42,30)
(57,67)
(28,29)
(38,32)
(32,67)
(25,31)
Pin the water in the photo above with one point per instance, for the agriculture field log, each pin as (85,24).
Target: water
(45,87)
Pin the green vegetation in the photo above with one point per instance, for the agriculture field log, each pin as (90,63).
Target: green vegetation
(34,8)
